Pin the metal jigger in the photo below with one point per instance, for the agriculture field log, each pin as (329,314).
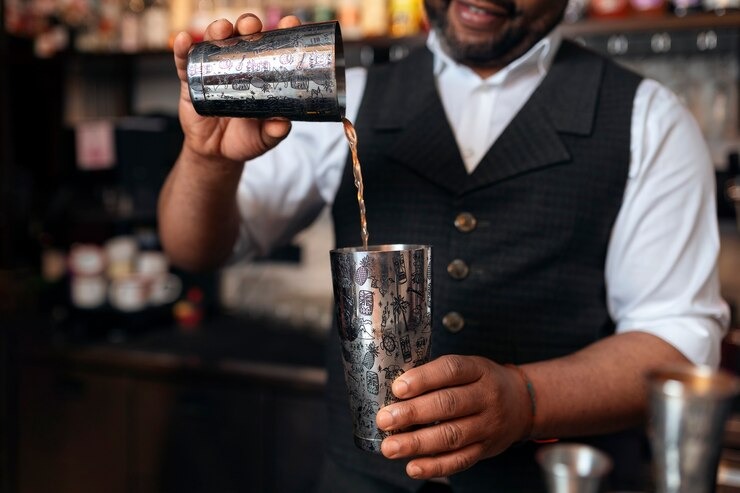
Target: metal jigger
(688,410)
(573,467)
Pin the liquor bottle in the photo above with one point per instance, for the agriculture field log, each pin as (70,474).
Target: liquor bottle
(374,18)
(181,11)
(348,14)
(156,26)
(323,10)
(131,28)
(202,16)
(406,17)
(274,11)
(301,9)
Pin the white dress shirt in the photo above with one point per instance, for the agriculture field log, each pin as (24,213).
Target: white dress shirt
(661,272)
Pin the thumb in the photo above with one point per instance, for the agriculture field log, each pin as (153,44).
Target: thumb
(274,131)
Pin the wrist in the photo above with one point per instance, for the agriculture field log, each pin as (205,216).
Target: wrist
(534,422)
(528,398)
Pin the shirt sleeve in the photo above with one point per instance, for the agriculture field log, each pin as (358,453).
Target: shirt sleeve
(661,268)
(284,190)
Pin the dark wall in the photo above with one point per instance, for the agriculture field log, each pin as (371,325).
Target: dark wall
(31,130)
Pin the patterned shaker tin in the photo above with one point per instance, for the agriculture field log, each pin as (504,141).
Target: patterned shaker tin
(295,73)
(383,305)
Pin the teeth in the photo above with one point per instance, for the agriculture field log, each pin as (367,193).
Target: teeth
(476,10)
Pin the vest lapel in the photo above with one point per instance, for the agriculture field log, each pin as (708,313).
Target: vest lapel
(565,102)
(412,109)
(528,143)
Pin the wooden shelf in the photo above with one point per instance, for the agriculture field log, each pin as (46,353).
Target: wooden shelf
(660,35)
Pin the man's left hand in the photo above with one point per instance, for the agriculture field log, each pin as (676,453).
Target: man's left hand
(469,407)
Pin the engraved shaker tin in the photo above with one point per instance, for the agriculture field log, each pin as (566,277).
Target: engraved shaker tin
(296,73)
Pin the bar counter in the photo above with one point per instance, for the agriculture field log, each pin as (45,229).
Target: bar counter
(234,405)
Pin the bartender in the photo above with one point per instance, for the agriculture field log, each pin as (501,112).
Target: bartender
(571,207)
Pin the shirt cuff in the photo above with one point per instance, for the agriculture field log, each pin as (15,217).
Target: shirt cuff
(699,339)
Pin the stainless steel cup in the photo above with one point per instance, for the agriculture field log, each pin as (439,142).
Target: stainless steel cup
(573,467)
(688,409)
(295,73)
(383,303)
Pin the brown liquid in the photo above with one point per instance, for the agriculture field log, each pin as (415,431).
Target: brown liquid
(349,131)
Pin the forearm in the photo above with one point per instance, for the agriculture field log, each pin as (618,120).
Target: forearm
(599,389)
(198,216)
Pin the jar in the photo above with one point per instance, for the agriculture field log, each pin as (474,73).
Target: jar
(649,6)
(609,8)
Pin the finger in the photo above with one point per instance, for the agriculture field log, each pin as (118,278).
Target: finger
(181,48)
(445,371)
(289,21)
(445,464)
(273,131)
(444,404)
(218,29)
(441,438)
(248,24)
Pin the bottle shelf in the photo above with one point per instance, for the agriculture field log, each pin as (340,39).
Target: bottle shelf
(652,23)
(641,36)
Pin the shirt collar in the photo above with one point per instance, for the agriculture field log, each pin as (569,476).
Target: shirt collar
(538,58)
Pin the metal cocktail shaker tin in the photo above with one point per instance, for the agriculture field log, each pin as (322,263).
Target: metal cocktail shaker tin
(296,73)
(689,407)
(383,305)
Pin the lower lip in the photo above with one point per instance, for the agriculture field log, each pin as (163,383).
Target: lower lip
(476,19)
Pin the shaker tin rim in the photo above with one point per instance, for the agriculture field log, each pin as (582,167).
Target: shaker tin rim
(685,380)
(393,247)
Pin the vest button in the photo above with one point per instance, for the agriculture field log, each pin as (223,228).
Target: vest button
(458,269)
(453,322)
(465,222)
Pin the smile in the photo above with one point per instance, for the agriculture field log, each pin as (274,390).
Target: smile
(487,8)
(481,15)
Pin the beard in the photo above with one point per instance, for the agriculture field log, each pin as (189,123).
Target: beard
(493,51)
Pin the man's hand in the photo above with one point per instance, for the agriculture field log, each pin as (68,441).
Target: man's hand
(225,139)
(474,409)
(198,216)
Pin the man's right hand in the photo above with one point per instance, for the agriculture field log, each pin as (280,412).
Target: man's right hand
(225,139)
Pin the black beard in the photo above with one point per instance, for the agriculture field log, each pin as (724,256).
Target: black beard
(486,54)
(489,54)
(495,53)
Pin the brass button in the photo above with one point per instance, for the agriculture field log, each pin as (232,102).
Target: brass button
(465,222)
(453,322)
(458,269)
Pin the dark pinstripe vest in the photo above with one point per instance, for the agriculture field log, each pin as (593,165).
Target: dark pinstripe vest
(545,198)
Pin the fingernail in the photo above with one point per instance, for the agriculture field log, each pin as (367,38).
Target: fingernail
(413,470)
(400,387)
(385,419)
(390,448)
